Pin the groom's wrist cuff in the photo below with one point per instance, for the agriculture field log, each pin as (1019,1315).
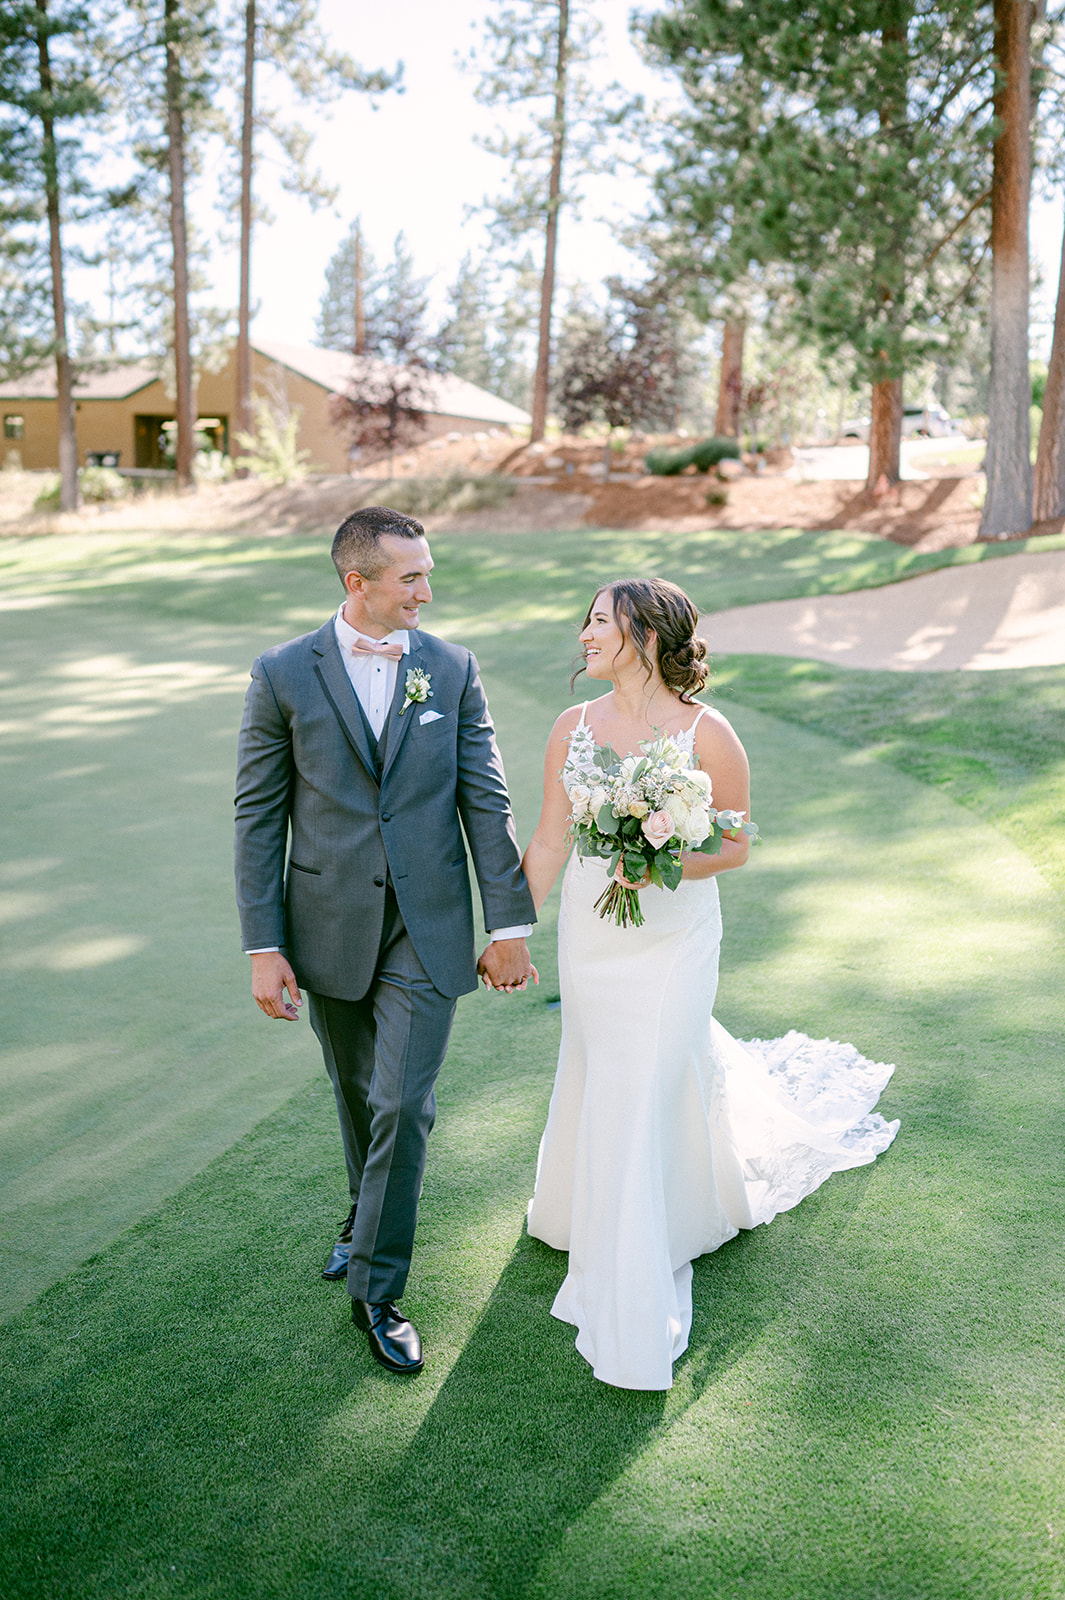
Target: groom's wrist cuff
(264,950)
(521,932)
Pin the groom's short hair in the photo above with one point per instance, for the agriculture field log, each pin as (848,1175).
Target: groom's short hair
(357,542)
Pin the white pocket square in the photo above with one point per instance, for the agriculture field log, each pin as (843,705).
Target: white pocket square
(430,716)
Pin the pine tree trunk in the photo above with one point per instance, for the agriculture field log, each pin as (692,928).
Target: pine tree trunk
(885,436)
(360,309)
(1008,504)
(243,422)
(175,127)
(885,416)
(1048,499)
(730,386)
(542,379)
(69,494)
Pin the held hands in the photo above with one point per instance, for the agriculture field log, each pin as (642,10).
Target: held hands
(270,976)
(505,965)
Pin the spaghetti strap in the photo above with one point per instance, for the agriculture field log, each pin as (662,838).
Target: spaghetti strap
(702,713)
(582,723)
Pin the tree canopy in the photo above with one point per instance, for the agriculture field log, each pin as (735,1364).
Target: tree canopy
(848,147)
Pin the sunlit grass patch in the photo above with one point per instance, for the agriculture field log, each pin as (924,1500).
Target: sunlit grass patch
(994,741)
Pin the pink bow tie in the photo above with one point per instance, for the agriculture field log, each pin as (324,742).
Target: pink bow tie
(377,647)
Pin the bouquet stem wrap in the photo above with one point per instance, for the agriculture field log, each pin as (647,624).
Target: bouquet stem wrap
(621,904)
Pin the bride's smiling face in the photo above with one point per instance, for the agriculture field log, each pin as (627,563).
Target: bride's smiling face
(607,648)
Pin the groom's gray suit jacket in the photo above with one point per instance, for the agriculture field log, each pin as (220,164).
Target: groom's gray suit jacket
(355,817)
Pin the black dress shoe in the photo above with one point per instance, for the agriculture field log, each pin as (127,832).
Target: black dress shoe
(337,1265)
(394,1341)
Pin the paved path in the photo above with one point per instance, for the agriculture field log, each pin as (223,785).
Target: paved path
(849,463)
(1008,612)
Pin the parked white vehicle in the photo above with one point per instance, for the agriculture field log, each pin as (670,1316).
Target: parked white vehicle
(918,422)
(926,422)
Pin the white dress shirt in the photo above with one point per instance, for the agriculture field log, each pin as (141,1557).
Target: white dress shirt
(374,680)
(372,677)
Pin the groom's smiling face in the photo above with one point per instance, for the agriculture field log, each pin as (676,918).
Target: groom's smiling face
(376,606)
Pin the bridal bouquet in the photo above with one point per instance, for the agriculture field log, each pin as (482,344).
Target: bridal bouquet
(641,813)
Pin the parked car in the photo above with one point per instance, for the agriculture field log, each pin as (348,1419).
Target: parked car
(918,422)
(925,422)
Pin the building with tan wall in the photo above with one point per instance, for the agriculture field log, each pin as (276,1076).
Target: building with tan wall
(125,414)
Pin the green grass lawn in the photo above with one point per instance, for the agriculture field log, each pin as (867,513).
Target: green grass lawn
(871,1406)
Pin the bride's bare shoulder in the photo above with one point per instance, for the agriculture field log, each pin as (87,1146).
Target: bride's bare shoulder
(715,736)
(714,720)
(566,722)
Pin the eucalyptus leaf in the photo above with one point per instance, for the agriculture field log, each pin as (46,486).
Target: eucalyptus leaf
(672,875)
(607,819)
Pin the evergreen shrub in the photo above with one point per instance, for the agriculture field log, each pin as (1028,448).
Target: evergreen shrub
(702,456)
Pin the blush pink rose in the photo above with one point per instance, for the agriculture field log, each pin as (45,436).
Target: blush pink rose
(658,828)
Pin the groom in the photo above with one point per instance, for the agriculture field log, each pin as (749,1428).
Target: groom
(363,747)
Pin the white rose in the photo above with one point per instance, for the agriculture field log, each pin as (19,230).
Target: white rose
(696,827)
(638,808)
(678,809)
(579,796)
(598,798)
(628,767)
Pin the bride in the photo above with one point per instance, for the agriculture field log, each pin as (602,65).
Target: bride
(665,1136)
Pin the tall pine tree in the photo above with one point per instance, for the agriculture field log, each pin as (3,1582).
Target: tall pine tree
(394,303)
(401,310)
(488,333)
(849,145)
(347,317)
(534,57)
(1008,501)
(1048,498)
(285,41)
(463,343)
(44,83)
(165,62)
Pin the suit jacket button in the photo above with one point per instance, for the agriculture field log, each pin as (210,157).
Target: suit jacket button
(386,816)
(379,883)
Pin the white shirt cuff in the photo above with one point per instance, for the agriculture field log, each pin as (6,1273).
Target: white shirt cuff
(522,931)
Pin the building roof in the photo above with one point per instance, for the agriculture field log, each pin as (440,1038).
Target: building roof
(446,395)
(113,383)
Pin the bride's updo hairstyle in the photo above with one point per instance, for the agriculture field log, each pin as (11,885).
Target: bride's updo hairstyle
(653,606)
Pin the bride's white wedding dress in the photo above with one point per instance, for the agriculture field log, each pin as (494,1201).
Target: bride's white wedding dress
(665,1135)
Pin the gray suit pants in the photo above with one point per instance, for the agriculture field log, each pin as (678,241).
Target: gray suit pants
(383,1053)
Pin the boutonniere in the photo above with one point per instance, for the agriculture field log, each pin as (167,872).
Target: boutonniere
(418,690)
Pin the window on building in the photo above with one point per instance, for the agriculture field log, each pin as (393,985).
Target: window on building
(14,425)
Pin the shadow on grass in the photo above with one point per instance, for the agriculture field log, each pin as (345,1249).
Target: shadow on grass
(197,1404)
(519,1442)
(522,1440)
